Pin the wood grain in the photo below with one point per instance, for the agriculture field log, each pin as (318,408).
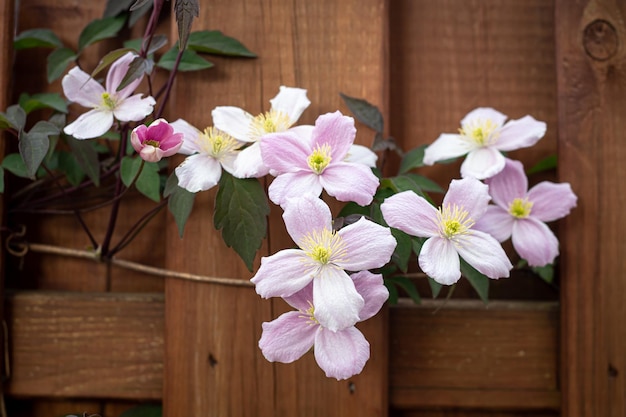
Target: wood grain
(592,100)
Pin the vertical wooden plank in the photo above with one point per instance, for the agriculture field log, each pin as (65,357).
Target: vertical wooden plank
(213,364)
(592,100)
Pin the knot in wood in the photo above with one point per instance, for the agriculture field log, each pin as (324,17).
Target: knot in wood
(600,40)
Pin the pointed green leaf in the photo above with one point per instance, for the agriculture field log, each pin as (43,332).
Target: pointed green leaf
(215,42)
(139,3)
(241,211)
(115,7)
(190,61)
(15,164)
(412,159)
(425,184)
(479,282)
(545,272)
(34,145)
(14,117)
(110,58)
(86,156)
(34,38)
(129,168)
(158,42)
(408,286)
(393,291)
(70,167)
(42,101)
(138,10)
(149,181)
(435,287)
(364,112)
(545,164)
(137,69)
(58,60)
(180,202)
(402,253)
(185,10)
(100,29)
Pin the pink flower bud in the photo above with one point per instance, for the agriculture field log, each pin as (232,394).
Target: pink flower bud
(156,141)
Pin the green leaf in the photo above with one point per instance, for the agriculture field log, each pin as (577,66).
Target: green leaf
(545,164)
(402,253)
(115,7)
(137,68)
(215,42)
(545,272)
(241,211)
(190,61)
(412,159)
(157,42)
(14,117)
(408,286)
(435,287)
(146,410)
(42,101)
(139,3)
(34,145)
(185,10)
(402,183)
(393,291)
(180,202)
(425,184)
(70,167)
(15,164)
(139,9)
(479,282)
(86,156)
(110,58)
(364,112)
(100,29)
(58,60)
(129,168)
(148,182)
(34,38)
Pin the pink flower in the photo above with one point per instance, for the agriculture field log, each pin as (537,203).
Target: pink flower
(340,354)
(108,103)
(482,136)
(156,141)
(309,164)
(323,258)
(520,213)
(450,231)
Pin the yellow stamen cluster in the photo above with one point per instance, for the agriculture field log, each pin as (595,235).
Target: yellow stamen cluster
(309,315)
(269,122)
(481,132)
(453,221)
(108,101)
(320,158)
(324,246)
(217,143)
(520,208)
(152,143)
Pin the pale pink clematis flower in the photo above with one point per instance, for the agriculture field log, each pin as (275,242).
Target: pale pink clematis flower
(340,354)
(450,231)
(156,141)
(286,108)
(106,104)
(521,214)
(482,137)
(304,165)
(209,151)
(323,258)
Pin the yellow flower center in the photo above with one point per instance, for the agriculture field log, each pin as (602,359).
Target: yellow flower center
(151,142)
(269,122)
(309,315)
(324,247)
(481,132)
(453,221)
(520,208)
(320,158)
(108,101)
(217,143)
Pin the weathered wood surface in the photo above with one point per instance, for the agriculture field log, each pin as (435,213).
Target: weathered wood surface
(591,64)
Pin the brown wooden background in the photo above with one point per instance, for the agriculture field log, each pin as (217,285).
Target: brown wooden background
(91,338)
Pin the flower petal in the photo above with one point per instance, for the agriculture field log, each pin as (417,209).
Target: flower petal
(342,354)
(305,215)
(285,152)
(303,299)
(134,108)
(116,74)
(485,254)
(234,121)
(446,146)
(520,133)
(360,154)
(282,274)
(373,291)
(469,194)
(335,130)
(368,245)
(534,241)
(292,185)
(551,201)
(198,172)
(79,87)
(350,182)
(482,163)
(497,222)
(508,184)
(89,125)
(190,136)
(440,261)
(291,101)
(249,163)
(287,338)
(337,303)
(483,114)
(410,213)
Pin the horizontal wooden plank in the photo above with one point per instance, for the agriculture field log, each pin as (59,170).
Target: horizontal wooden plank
(459,354)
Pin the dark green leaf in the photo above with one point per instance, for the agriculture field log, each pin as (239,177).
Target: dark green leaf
(15,164)
(408,286)
(215,42)
(145,410)
(479,282)
(33,38)
(34,145)
(42,101)
(180,202)
(241,211)
(185,10)
(139,9)
(86,156)
(402,253)
(158,41)
(58,60)
(364,112)
(70,167)
(383,144)
(545,164)
(129,168)
(149,181)
(115,7)
(139,3)
(110,58)
(14,117)
(435,287)
(137,68)
(402,183)
(190,61)
(393,291)
(412,159)
(424,183)
(545,272)
(100,29)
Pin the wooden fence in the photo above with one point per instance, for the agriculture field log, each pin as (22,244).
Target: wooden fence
(87,337)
